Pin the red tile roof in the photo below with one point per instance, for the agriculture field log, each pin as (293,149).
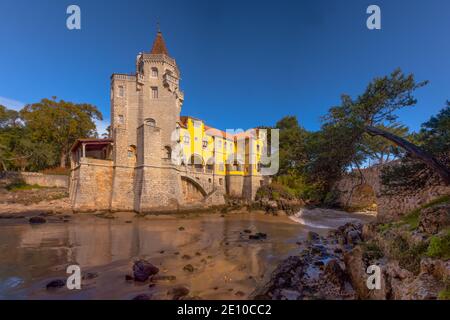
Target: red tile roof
(159,46)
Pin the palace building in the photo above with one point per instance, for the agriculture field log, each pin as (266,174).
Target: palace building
(157,160)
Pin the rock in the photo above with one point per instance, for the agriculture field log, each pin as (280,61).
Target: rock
(434,219)
(290,294)
(142,270)
(163,278)
(189,268)
(198,254)
(178,292)
(128,278)
(37,220)
(247,231)
(162,252)
(54,284)
(142,297)
(438,268)
(335,273)
(353,237)
(239,294)
(258,236)
(186,257)
(90,275)
(319,263)
(312,236)
(181,229)
(128,221)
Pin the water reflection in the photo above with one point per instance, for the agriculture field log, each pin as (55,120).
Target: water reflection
(221,253)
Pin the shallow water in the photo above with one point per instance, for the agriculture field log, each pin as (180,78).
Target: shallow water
(225,260)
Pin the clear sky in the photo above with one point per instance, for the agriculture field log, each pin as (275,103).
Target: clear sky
(244,62)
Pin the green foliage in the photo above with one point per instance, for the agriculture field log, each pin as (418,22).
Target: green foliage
(439,246)
(41,134)
(19,186)
(408,256)
(411,174)
(60,123)
(445,294)
(411,219)
(371,251)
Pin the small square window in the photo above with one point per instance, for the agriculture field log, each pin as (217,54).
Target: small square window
(221,181)
(121,119)
(205,144)
(186,139)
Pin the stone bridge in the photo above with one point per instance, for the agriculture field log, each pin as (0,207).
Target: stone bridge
(200,186)
(362,190)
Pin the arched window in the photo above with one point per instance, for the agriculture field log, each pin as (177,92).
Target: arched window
(154,72)
(168,152)
(150,122)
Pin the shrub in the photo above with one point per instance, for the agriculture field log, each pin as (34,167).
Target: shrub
(439,246)
(408,257)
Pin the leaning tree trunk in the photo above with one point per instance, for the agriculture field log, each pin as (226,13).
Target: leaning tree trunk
(417,152)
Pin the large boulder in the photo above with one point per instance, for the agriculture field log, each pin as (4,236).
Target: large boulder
(142,270)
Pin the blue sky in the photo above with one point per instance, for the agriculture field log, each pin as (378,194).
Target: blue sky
(244,63)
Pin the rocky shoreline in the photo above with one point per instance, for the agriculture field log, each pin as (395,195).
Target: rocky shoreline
(334,266)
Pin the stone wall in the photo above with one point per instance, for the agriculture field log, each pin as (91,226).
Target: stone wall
(91,185)
(355,190)
(31,178)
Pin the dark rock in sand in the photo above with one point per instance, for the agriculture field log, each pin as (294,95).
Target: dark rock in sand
(188,268)
(258,236)
(90,275)
(128,278)
(162,252)
(239,294)
(186,257)
(319,263)
(181,229)
(54,284)
(164,278)
(247,231)
(142,270)
(312,236)
(198,254)
(37,220)
(178,292)
(142,297)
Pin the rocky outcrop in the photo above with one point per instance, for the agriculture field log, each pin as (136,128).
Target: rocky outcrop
(336,267)
(434,219)
(318,272)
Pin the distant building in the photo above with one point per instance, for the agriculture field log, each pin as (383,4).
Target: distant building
(158,160)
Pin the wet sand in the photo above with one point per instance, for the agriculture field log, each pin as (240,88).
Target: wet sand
(227,265)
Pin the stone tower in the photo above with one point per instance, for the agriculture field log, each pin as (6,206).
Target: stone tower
(145,110)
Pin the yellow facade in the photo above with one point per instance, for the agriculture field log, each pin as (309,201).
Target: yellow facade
(224,153)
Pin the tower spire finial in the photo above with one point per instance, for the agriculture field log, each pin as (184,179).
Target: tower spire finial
(158,26)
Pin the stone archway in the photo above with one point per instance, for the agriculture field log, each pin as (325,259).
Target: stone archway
(362,197)
(192,191)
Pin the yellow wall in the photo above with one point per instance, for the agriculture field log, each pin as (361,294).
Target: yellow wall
(195,131)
